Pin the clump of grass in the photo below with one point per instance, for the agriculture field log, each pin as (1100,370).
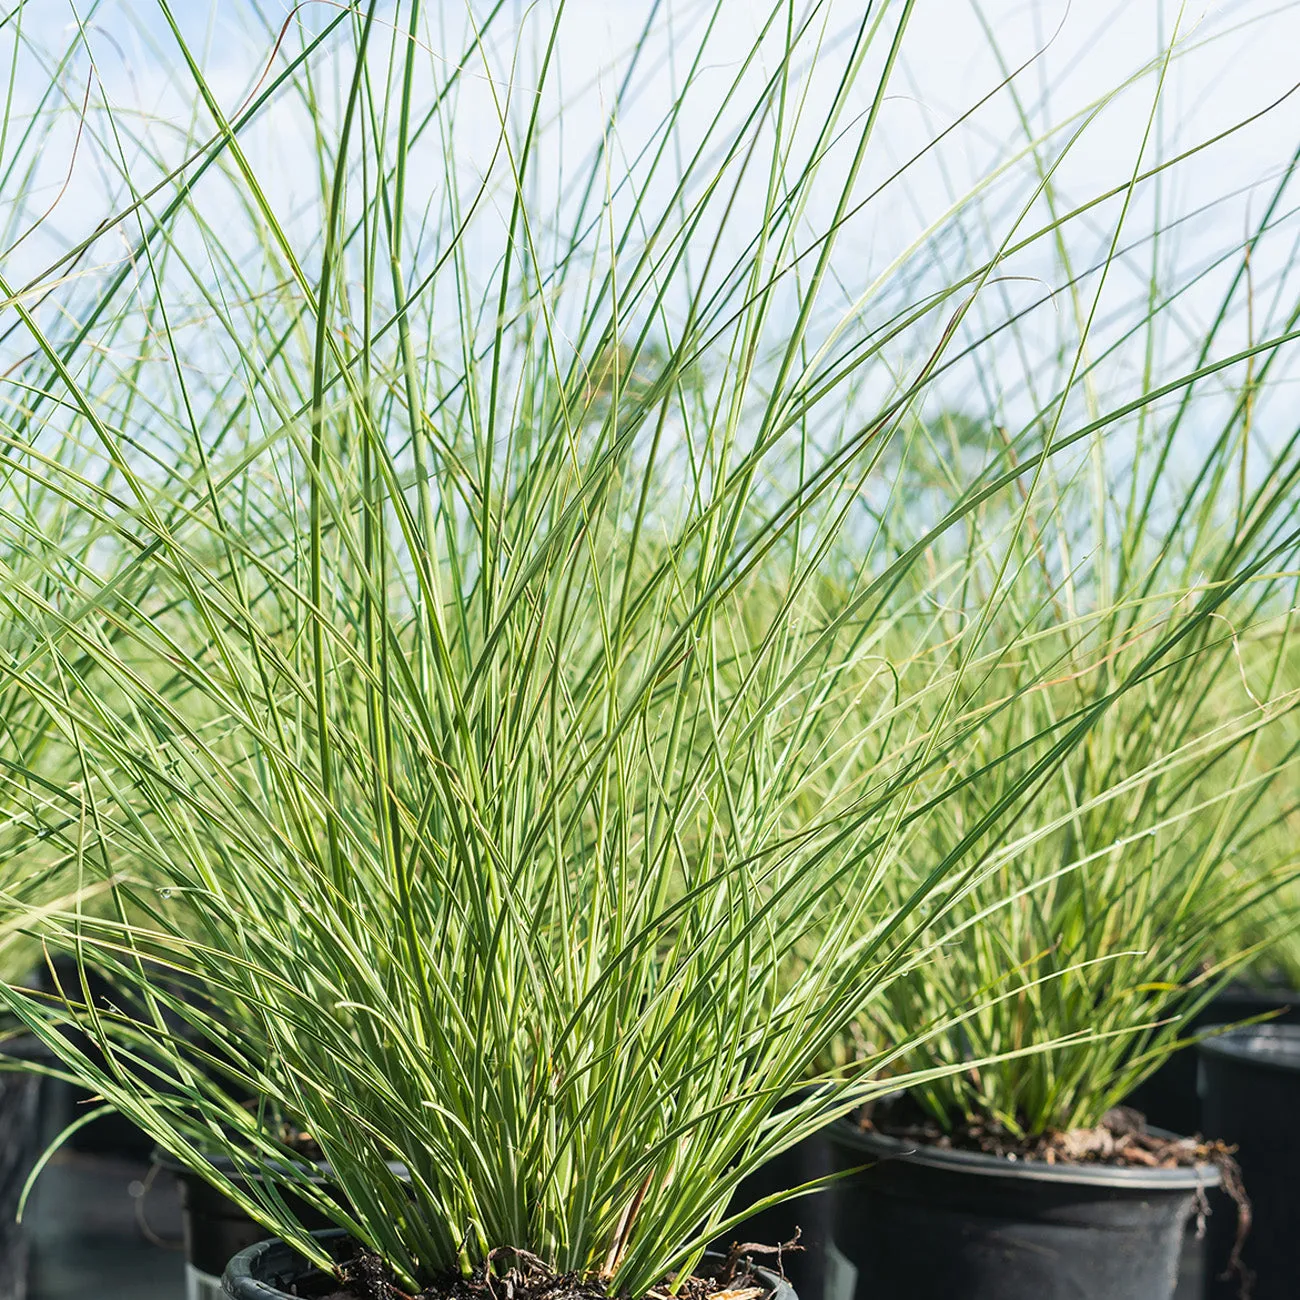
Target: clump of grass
(422,709)
(1110,914)
(1136,884)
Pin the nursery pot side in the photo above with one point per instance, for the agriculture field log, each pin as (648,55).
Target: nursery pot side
(1170,1098)
(935,1224)
(1252,1101)
(806,1217)
(20,1093)
(215,1228)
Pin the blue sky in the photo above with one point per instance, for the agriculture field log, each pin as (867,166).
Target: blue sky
(1234,60)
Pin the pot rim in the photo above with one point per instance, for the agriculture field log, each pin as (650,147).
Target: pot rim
(316,1171)
(225,1164)
(241,1282)
(1241,1045)
(1282,994)
(979,1163)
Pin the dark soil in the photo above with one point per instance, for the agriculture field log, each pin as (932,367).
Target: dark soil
(511,1274)
(1121,1139)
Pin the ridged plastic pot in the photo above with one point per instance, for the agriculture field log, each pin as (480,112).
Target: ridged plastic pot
(19,1148)
(1252,1101)
(272,1270)
(931,1224)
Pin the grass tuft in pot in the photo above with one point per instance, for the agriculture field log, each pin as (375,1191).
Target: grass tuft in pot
(1132,890)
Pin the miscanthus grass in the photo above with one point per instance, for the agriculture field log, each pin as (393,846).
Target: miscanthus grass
(1153,864)
(1123,900)
(1268,932)
(497,544)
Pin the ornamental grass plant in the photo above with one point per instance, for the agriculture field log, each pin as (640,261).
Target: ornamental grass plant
(1154,864)
(1268,932)
(1129,896)
(498,547)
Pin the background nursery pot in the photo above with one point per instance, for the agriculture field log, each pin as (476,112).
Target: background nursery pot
(1252,1101)
(807,1217)
(1170,1098)
(216,1229)
(933,1224)
(272,1269)
(19,1146)
(108,1134)
(63,1102)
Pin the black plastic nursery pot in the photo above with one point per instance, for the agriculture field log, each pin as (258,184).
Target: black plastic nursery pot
(215,1228)
(1170,1098)
(1252,1101)
(272,1269)
(110,1133)
(807,1217)
(932,1224)
(19,1148)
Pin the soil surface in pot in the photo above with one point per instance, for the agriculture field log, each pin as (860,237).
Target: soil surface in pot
(1121,1140)
(364,1277)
